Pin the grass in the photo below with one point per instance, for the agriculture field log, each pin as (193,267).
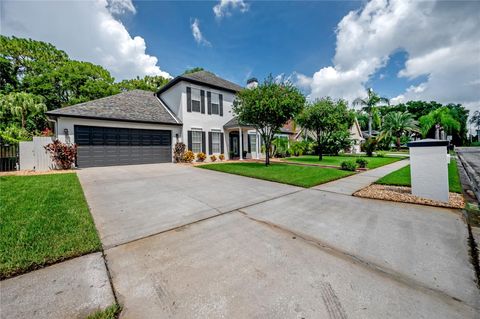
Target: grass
(304,176)
(111,312)
(43,219)
(373,162)
(401,177)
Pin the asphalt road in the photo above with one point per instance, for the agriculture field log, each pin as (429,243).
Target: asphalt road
(471,156)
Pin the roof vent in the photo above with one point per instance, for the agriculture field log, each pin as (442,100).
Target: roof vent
(252,83)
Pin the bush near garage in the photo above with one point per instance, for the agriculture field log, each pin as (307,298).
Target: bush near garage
(201,156)
(189,156)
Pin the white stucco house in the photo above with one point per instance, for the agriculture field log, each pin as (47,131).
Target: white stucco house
(139,127)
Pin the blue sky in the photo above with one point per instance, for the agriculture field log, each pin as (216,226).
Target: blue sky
(404,49)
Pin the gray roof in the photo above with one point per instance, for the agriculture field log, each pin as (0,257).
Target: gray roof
(132,106)
(205,78)
(234,123)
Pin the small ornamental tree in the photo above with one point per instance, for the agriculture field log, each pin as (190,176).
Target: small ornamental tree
(63,155)
(268,107)
(325,118)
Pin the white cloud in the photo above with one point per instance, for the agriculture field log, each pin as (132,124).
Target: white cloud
(441,39)
(225,7)
(197,33)
(121,6)
(86,30)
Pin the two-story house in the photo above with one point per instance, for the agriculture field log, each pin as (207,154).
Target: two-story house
(139,127)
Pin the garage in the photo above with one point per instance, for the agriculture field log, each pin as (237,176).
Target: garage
(108,146)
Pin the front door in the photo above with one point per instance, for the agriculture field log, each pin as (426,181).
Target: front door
(234,145)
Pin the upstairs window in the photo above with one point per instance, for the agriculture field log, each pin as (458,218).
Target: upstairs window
(196,100)
(215,104)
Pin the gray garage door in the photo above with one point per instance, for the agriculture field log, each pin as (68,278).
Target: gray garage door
(107,146)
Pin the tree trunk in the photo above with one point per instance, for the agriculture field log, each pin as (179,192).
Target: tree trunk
(23,121)
(319,149)
(267,154)
(398,143)
(370,124)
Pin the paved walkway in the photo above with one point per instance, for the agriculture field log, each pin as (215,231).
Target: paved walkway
(351,184)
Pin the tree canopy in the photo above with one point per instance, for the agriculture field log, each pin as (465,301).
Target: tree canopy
(268,107)
(325,118)
(369,105)
(395,124)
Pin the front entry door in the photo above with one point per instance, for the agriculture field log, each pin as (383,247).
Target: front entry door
(234,144)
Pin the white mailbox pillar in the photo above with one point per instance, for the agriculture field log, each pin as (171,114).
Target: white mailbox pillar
(429,169)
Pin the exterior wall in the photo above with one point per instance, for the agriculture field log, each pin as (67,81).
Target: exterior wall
(69,122)
(176,99)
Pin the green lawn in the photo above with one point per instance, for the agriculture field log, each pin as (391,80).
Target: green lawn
(304,176)
(401,177)
(373,162)
(43,219)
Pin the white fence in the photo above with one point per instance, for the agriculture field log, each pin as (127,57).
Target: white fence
(33,155)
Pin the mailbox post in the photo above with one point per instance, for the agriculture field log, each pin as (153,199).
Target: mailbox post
(429,169)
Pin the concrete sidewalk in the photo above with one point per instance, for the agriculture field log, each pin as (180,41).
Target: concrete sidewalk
(72,289)
(351,184)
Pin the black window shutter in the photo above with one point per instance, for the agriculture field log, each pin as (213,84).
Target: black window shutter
(189,138)
(189,99)
(209,102)
(249,146)
(210,143)
(203,143)
(220,98)
(221,144)
(202,101)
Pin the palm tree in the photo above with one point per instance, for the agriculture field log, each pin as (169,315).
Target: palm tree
(475,120)
(369,105)
(21,104)
(441,119)
(395,124)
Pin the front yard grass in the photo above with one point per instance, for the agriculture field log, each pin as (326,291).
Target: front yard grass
(373,162)
(43,219)
(401,177)
(304,176)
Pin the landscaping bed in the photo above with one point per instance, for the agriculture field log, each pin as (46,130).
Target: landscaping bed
(335,161)
(44,219)
(303,176)
(404,194)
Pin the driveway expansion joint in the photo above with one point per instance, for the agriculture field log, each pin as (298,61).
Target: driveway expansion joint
(384,272)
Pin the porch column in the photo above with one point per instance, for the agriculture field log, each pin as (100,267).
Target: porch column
(241,143)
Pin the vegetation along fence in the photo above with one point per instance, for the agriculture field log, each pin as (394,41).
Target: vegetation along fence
(8,157)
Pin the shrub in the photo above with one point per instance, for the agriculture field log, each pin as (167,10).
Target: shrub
(349,166)
(189,156)
(381,153)
(179,152)
(213,158)
(362,163)
(369,146)
(201,156)
(63,155)
(221,157)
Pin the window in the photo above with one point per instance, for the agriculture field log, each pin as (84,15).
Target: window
(216,142)
(253,142)
(215,103)
(196,141)
(195,100)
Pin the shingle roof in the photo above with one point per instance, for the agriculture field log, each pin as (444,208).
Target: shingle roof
(206,78)
(134,106)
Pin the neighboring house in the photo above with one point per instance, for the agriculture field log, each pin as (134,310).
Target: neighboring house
(139,127)
(355,134)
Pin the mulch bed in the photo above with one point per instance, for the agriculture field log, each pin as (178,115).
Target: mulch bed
(404,195)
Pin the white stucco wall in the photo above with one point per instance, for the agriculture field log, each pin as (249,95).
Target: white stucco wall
(176,99)
(429,172)
(69,122)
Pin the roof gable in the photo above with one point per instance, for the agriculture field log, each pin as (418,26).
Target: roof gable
(203,78)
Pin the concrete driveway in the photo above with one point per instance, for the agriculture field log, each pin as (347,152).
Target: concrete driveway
(185,242)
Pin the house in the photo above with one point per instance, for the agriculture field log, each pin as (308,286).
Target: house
(140,127)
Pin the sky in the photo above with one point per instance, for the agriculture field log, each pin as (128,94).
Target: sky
(405,50)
